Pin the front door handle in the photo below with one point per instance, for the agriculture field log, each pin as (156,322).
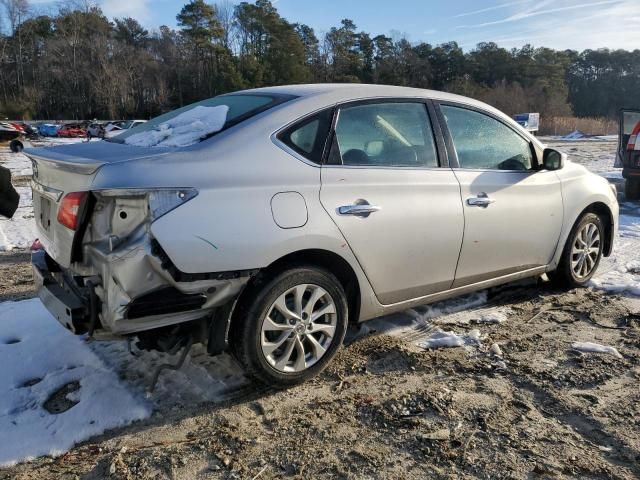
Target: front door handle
(482,200)
(358,210)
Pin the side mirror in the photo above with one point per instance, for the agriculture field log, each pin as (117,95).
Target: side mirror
(553,159)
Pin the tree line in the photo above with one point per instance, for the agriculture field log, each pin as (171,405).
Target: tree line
(76,63)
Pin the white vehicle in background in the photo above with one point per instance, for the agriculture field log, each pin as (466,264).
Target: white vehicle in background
(116,128)
(528,121)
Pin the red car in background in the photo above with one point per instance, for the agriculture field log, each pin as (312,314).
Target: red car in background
(72,131)
(18,126)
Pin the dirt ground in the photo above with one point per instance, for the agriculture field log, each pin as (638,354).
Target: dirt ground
(16,280)
(517,403)
(386,408)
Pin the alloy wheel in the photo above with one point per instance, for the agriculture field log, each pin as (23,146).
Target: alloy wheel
(585,250)
(299,328)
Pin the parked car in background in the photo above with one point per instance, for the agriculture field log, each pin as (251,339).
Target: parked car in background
(8,132)
(263,221)
(21,127)
(96,129)
(629,152)
(48,129)
(116,128)
(72,130)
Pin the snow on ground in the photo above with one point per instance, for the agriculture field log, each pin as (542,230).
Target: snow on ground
(19,231)
(113,382)
(19,164)
(442,339)
(620,273)
(422,317)
(595,348)
(37,358)
(596,154)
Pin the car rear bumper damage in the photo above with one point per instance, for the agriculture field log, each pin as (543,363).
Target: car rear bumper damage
(130,291)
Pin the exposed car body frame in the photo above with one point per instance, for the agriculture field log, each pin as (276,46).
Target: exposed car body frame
(252,221)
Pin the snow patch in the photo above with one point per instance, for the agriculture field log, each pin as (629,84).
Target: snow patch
(184,129)
(495,316)
(621,272)
(19,231)
(595,348)
(37,358)
(575,135)
(442,339)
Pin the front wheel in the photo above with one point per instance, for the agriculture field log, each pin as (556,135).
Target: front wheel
(632,189)
(290,326)
(16,146)
(582,252)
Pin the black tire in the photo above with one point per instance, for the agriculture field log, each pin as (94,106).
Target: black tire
(565,276)
(245,335)
(632,189)
(16,146)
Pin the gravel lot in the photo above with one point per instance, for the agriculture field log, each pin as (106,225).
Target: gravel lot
(517,401)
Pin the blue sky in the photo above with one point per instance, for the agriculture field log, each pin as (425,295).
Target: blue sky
(558,24)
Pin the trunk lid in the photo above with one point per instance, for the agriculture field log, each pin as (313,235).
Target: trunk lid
(62,169)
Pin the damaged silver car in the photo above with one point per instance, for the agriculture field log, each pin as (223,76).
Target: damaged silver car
(263,222)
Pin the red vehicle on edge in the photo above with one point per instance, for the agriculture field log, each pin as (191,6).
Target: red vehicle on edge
(72,131)
(629,152)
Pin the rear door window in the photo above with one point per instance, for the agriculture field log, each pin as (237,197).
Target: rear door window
(386,134)
(482,142)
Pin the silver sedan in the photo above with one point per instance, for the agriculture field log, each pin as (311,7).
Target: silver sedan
(263,222)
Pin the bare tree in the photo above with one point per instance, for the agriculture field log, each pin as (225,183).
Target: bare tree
(15,12)
(225,11)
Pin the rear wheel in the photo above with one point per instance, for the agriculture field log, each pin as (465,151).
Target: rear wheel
(632,189)
(290,326)
(582,252)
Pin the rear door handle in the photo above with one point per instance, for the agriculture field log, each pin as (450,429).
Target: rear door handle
(358,210)
(482,200)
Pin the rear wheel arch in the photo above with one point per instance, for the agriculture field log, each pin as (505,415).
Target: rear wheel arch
(325,259)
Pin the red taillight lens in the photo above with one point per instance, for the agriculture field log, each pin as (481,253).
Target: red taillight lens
(634,138)
(69,208)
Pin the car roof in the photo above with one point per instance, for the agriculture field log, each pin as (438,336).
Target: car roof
(330,93)
(346,91)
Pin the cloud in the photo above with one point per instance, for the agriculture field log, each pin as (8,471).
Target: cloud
(537,11)
(138,9)
(490,9)
(609,27)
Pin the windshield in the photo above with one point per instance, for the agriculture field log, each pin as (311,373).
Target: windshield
(239,107)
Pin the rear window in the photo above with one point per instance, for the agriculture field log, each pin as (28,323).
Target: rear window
(240,107)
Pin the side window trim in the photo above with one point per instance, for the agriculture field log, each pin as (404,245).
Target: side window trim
(438,133)
(448,139)
(441,154)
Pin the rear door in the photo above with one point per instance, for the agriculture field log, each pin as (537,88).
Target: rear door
(513,211)
(629,126)
(398,209)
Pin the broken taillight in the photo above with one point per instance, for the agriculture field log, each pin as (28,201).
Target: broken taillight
(69,209)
